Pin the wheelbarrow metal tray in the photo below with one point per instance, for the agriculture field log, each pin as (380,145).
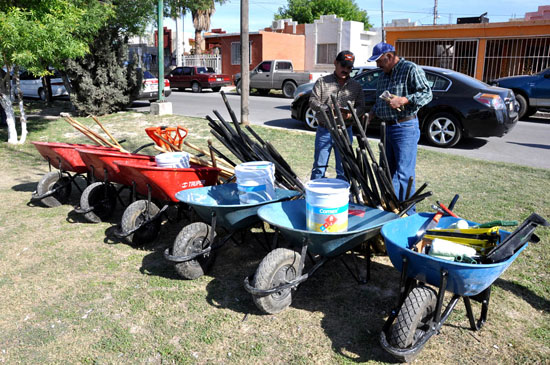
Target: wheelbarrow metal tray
(67,154)
(165,182)
(290,217)
(100,160)
(463,279)
(224,201)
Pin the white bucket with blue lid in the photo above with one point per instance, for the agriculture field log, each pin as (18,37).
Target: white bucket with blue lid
(255,181)
(327,202)
(173,159)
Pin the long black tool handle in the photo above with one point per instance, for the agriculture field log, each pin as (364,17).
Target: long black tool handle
(453,202)
(231,113)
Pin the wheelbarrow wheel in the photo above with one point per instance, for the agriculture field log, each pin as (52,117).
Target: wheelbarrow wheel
(414,317)
(134,216)
(52,181)
(193,238)
(101,197)
(279,267)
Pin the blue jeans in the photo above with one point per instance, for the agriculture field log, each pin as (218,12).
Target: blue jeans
(401,147)
(323,145)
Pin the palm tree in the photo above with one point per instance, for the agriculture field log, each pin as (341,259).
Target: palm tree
(201,22)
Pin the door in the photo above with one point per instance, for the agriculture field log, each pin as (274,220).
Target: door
(260,77)
(175,77)
(369,81)
(186,76)
(541,90)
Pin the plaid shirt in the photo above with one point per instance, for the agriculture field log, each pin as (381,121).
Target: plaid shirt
(328,85)
(406,79)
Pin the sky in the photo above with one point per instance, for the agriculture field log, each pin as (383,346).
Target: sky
(261,12)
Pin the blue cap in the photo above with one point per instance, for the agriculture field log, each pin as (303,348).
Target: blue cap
(379,50)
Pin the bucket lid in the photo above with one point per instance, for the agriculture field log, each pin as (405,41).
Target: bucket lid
(254,165)
(326,186)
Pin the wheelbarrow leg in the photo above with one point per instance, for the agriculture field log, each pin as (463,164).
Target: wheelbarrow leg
(483,297)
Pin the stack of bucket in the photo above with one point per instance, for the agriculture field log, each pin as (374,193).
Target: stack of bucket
(327,202)
(173,159)
(255,181)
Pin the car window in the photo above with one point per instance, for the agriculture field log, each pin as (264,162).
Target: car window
(25,75)
(187,71)
(284,66)
(148,75)
(369,80)
(202,70)
(176,72)
(265,67)
(211,70)
(437,83)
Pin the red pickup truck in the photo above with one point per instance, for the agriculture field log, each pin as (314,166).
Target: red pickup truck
(197,78)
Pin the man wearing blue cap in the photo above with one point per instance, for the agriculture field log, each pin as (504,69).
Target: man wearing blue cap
(402,90)
(345,89)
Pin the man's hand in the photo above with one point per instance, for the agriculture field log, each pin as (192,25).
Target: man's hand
(346,113)
(396,102)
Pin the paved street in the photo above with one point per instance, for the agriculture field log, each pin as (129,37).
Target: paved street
(527,144)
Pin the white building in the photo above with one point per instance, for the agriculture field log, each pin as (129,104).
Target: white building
(329,35)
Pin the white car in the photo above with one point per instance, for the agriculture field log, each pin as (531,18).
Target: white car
(150,88)
(32,87)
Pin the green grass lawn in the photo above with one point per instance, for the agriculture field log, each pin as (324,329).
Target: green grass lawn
(71,293)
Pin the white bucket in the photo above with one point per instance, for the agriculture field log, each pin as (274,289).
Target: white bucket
(255,181)
(173,159)
(327,205)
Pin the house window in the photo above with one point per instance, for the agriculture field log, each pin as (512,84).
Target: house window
(326,53)
(236,53)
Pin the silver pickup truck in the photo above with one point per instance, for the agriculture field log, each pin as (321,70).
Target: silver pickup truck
(278,75)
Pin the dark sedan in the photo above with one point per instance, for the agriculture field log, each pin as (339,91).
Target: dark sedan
(461,107)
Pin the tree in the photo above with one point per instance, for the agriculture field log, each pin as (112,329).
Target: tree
(103,81)
(307,11)
(36,34)
(201,12)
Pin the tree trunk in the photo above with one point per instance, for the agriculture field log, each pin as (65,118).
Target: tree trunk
(5,101)
(198,41)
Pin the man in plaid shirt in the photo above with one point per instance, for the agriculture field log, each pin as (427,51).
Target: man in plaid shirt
(408,91)
(345,89)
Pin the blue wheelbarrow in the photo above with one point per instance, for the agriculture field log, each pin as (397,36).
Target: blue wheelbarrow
(418,315)
(281,271)
(194,249)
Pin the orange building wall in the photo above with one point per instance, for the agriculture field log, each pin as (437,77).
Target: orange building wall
(481,32)
(265,46)
(286,47)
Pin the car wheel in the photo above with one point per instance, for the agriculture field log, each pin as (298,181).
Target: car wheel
(289,88)
(216,89)
(238,87)
(309,118)
(523,105)
(196,87)
(443,130)
(42,94)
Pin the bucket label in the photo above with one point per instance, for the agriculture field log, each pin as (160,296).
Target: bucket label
(323,219)
(250,188)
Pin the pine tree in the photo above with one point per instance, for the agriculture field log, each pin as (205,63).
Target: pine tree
(103,81)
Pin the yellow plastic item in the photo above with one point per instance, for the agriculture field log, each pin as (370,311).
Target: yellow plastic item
(482,245)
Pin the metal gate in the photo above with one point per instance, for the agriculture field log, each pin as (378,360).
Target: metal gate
(204,60)
(515,56)
(455,54)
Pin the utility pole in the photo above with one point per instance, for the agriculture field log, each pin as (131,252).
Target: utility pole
(245,62)
(160,36)
(382,15)
(435,12)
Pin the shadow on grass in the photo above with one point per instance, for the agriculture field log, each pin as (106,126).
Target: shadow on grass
(536,301)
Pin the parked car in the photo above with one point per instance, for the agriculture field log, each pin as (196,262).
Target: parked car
(197,78)
(461,107)
(32,87)
(532,91)
(150,88)
(356,70)
(277,75)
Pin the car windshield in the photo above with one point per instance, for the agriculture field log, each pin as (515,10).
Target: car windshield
(202,70)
